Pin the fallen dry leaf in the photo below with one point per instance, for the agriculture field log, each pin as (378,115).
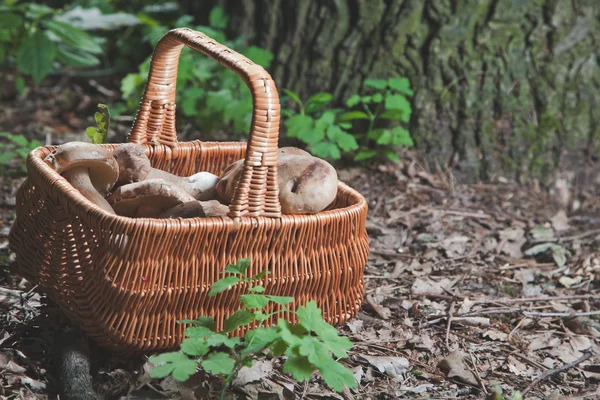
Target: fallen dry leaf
(454,367)
(395,367)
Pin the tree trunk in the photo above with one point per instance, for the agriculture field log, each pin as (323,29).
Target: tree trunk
(501,86)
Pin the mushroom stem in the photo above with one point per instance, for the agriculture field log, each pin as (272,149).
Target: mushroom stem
(201,185)
(79,178)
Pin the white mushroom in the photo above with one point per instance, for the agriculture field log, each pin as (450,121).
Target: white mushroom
(307,184)
(135,166)
(147,199)
(89,168)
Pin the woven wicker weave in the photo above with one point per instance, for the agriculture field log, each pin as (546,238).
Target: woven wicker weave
(127,281)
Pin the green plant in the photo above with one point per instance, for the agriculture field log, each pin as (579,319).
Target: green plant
(209,94)
(326,130)
(308,344)
(97,134)
(322,129)
(34,40)
(16,147)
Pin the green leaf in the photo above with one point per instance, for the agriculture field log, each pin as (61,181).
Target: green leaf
(35,55)
(256,289)
(377,98)
(365,155)
(223,284)
(293,96)
(299,367)
(260,275)
(392,156)
(34,11)
(195,346)
(207,322)
(10,20)
(327,118)
(259,56)
(309,316)
(218,363)
(399,102)
(19,140)
(344,140)
(199,332)
(385,137)
(178,364)
(314,135)
(353,100)
(401,84)
(336,376)
(326,149)
(281,300)
(366,99)
(222,340)
(219,100)
(130,83)
(335,343)
(217,18)
(352,115)
(285,333)
(376,83)
(317,102)
(258,339)
(92,132)
(78,59)
(73,37)
(392,114)
(401,137)
(254,300)
(238,268)
(161,371)
(237,319)
(314,350)
(299,125)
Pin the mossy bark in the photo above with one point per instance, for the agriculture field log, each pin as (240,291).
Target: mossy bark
(501,86)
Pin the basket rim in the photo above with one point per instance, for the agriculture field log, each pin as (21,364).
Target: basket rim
(36,165)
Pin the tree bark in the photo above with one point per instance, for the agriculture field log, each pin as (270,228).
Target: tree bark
(501,86)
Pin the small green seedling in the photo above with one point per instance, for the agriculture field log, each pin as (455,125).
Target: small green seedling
(97,134)
(16,146)
(308,344)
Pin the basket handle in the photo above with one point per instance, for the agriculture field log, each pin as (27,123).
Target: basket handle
(257,192)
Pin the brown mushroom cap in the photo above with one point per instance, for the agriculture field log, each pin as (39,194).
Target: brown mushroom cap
(148,198)
(102,166)
(211,208)
(293,150)
(307,184)
(134,165)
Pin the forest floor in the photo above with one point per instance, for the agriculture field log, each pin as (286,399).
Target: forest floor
(469,287)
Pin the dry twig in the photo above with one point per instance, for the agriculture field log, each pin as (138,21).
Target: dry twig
(558,370)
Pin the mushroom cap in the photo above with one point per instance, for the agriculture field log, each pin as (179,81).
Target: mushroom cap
(293,150)
(211,208)
(225,187)
(134,165)
(148,198)
(102,166)
(307,184)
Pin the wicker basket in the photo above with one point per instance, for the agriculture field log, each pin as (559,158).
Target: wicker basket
(127,281)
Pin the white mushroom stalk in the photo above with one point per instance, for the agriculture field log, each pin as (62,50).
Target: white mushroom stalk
(89,168)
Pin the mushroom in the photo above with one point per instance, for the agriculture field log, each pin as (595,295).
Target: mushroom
(89,168)
(211,208)
(307,184)
(147,199)
(200,185)
(134,165)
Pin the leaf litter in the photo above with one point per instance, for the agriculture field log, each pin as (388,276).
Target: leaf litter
(468,286)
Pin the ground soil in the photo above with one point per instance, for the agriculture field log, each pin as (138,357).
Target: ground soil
(469,287)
